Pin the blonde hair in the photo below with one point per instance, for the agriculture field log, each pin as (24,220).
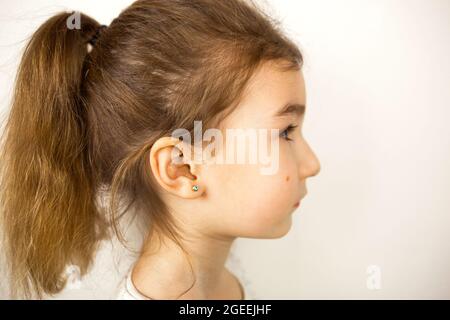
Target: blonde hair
(81,120)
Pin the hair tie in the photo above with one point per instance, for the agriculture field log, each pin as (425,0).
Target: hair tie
(94,38)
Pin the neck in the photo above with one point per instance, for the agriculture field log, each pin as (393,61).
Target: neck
(165,271)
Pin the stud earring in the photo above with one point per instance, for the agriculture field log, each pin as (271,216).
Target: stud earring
(195,188)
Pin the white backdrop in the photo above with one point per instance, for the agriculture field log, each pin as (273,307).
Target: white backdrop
(376,221)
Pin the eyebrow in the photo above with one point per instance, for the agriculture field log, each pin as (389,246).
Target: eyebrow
(291,109)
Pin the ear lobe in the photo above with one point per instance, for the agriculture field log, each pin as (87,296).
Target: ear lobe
(174,176)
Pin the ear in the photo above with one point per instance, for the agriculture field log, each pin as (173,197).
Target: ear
(178,176)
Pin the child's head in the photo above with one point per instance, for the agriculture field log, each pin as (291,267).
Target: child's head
(236,199)
(85,119)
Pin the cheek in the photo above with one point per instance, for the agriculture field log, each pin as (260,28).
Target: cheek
(274,200)
(243,202)
(260,205)
(269,214)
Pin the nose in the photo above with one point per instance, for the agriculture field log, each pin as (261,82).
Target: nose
(309,165)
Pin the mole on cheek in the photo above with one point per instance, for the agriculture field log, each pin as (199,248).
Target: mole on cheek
(287,178)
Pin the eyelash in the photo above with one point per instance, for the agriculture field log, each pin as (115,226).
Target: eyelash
(289,129)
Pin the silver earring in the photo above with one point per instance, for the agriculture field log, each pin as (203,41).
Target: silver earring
(195,188)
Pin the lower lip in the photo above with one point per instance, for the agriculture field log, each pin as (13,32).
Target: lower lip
(297,205)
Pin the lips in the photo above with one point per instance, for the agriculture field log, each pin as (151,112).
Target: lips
(297,204)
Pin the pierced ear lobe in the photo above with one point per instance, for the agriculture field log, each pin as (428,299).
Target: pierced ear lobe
(196,190)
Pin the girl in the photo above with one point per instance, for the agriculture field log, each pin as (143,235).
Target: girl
(95,109)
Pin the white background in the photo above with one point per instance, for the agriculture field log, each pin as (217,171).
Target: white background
(378,107)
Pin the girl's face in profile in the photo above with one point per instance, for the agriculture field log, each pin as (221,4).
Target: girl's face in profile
(243,202)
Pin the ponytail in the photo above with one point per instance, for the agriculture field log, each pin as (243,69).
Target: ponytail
(47,201)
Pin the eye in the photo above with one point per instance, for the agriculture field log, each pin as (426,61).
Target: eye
(284,134)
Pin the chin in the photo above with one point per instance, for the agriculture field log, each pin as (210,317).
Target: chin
(282,232)
(279,230)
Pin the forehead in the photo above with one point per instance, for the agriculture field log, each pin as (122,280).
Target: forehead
(268,90)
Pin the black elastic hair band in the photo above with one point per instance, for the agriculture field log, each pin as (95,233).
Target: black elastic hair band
(94,38)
